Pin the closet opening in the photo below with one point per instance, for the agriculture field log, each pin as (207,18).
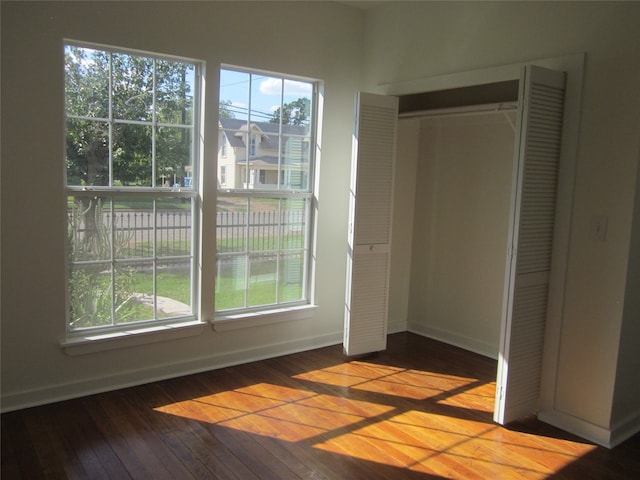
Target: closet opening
(464,179)
(488,93)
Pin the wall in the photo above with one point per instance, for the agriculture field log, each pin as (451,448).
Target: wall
(626,406)
(282,37)
(407,145)
(461,221)
(412,40)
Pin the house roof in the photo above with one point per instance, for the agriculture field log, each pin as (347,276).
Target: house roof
(268,130)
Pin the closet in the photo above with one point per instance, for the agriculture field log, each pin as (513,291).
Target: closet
(461,221)
(483,225)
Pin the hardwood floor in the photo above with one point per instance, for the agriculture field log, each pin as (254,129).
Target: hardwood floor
(421,409)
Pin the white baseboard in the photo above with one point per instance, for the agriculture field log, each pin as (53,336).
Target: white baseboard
(471,344)
(605,437)
(396,326)
(589,431)
(56,393)
(625,429)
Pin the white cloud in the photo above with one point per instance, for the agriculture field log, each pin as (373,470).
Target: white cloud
(273,86)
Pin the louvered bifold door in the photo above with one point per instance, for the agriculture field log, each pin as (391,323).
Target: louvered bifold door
(531,237)
(371,205)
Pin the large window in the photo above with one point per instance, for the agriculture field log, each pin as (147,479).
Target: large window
(265,191)
(131,130)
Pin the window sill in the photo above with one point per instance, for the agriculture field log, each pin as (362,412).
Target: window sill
(225,323)
(99,342)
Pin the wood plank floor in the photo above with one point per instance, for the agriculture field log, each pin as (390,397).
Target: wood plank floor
(419,410)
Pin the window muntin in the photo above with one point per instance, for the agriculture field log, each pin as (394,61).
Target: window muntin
(130,157)
(264,203)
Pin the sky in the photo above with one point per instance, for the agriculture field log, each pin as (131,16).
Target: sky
(266,93)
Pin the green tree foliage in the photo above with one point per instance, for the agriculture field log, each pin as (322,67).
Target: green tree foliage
(93,298)
(122,110)
(135,89)
(293,113)
(224,110)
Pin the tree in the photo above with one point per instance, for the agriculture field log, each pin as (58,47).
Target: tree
(121,110)
(224,111)
(293,113)
(97,81)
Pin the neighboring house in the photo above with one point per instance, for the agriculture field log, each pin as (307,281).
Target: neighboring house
(260,156)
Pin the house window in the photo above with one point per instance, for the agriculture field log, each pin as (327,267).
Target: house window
(131,129)
(264,229)
(223,175)
(252,145)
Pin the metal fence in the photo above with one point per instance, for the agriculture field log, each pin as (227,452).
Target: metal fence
(134,231)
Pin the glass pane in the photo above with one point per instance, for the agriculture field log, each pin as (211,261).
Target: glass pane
(86,82)
(173,283)
(132,165)
(89,295)
(234,95)
(264,225)
(173,157)
(87,153)
(233,154)
(294,224)
(297,105)
(89,229)
(174,92)
(266,99)
(173,227)
(262,280)
(230,281)
(133,299)
(290,287)
(132,87)
(295,163)
(133,228)
(231,225)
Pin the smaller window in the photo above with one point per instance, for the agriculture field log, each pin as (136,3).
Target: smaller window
(223,175)
(264,230)
(252,145)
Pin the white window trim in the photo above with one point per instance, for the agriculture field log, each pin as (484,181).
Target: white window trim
(224,323)
(90,340)
(273,313)
(96,341)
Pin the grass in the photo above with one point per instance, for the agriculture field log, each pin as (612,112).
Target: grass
(178,287)
(144,204)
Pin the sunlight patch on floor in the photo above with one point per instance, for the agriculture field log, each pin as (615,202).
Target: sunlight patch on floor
(464,444)
(278,412)
(454,448)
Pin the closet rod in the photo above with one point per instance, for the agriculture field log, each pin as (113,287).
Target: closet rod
(465,110)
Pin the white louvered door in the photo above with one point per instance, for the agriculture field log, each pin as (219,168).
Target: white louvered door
(531,236)
(371,206)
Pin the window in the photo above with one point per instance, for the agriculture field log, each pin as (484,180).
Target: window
(263,225)
(223,175)
(131,128)
(252,146)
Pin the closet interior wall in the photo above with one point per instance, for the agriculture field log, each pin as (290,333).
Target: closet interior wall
(461,220)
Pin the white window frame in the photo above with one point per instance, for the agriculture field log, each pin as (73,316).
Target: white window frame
(294,310)
(91,339)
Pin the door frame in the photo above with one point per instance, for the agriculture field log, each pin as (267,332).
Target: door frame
(573,65)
